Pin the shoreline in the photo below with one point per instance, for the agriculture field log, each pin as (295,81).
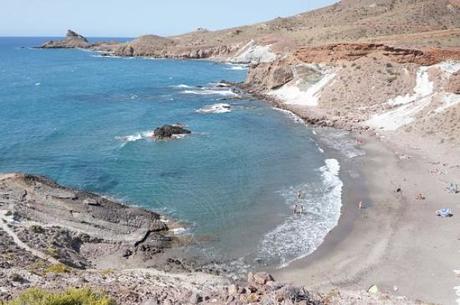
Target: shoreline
(395,242)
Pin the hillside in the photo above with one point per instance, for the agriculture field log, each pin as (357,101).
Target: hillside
(409,23)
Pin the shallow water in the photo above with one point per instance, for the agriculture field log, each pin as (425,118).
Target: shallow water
(86,121)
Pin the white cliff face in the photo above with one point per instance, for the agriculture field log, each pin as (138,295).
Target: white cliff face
(408,106)
(252,53)
(305,89)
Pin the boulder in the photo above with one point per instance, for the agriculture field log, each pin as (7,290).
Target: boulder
(168,131)
(260,278)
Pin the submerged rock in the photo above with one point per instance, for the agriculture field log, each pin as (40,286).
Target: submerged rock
(168,131)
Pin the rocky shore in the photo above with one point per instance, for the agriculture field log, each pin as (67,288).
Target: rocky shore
(387,71)
(56,238)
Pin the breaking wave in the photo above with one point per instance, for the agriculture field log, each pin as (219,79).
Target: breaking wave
(216,108)
(300,235)
(205,91)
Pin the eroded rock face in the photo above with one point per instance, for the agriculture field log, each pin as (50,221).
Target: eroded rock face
(72,40)
(271,75)
(77,228)
(351,51)
(169,131)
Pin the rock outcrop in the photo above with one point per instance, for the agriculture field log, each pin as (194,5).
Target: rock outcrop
(77,228)
(351,51)
(169,131)
(72,40)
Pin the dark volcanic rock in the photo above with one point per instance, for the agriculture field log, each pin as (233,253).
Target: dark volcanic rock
(74,227)
(72,40)
(168,131)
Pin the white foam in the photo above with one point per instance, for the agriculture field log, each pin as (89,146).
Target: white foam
(341,141)
(183,86)
(216,108)
(237,67)
(292,94)
(135,137)
(290,114)
(108,56)
(226,92)
(300,235)
(179,231)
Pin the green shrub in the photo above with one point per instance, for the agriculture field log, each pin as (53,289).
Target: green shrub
(84,296)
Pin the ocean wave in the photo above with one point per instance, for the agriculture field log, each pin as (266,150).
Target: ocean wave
(300,235)
(111,56)
(237,67)
(291,115)
(340,141)
(216,108)
(135,137)
(144,135)
(205,91)
(183,86)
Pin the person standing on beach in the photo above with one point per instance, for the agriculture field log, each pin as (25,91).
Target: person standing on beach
(298,207)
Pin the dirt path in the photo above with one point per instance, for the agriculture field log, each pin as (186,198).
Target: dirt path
(4,226)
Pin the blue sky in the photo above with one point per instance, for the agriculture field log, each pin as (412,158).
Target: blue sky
(130,18)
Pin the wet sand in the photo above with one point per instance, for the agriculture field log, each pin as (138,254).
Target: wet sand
(396,242)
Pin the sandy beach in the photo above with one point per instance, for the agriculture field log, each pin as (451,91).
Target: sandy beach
(396,242)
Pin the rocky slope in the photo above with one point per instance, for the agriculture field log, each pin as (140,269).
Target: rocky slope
(396,22)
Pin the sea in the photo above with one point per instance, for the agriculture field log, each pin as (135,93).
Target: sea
(86,121)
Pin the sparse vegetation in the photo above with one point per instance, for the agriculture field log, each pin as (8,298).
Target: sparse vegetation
(37,229)
(52,252)
(57,268)
(69,297)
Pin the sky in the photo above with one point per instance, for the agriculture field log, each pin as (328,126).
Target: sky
(131,18)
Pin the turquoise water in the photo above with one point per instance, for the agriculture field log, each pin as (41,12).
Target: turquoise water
(84,121)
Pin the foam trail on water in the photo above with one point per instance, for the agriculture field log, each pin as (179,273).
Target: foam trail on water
(238,67)
(300,235)
(216,108)
(227,92)
(183,86)
(291,115)
(135,137)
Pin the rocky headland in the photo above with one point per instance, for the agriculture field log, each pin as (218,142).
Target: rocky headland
(72,40)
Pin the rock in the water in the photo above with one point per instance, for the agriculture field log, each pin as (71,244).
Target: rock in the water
(168,131)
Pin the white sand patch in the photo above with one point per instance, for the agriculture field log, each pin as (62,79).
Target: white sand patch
(396,118)
(293,94)
(409,105)
(253,53)
(423,88)
(449,100)
(450,67)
